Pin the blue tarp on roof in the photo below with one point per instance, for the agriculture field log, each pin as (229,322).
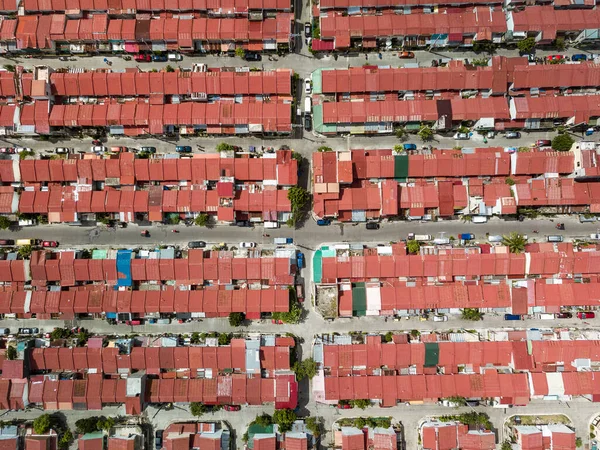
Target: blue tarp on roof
(124,268)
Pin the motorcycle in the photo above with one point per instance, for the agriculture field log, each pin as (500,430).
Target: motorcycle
(127,58)
(560,226)
(145,233)
(174,231)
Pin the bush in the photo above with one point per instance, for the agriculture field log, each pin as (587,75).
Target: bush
(224,338)
(284,418)
(224,147)
(389,337)
(292,316)
(559,44)
(60,333)
(87,425)
(471,314)
(578,442)
(65,439)
(105,423)
(562,142)
(197,409)
(413,247)
(313,425)
(236,319)
(526,45)
(202,219)
(400,132)
(264,420)
(484,46)
(169,68)
(25,251)
(239,51)
(26,153)
(11,353)
(195,338)
(359,422)
(4,223)
(426,133)
(361,403)
(398,148)
(324,148)
(41,424)
(299,198)
(509,181)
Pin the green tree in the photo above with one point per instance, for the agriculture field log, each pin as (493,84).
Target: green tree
(471,314)
(11,352)
(360,422)
(87,425)
(239,51)
(578,442)
(292,316)
(105,423)
(305,369)
(389,337)
(197,409)
(201,219)
(195,338)
(426,133)
(324,148)
(82,338)
(526,45)
(316,32)
(398,148)
(4,223)
(284,418)
(25,154)
(224,338)
(264,420)
(41,424)
(509,181)
(383,422)
(459,401)
(65,439)
(413,246)
(59,333)
(506,445)
(236,319)
(298,157)
(25,251)
(559,44)
(515,242)
(9,67)
(562,142)
(169,68)
(313,425)
(361,403)
(400,132)
(484,46)
(224,147)
(299,198)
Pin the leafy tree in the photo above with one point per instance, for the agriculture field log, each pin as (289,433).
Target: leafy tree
(515,242)
(298,157)
(65,439)
(82,338)
(264,420)
(509,181)
(484,46)
(389,337)
(236,319)
(562,142)
(195,338)
(26,153)
(471,314)
(197,409)
(87,425)
(11,352)
(174,219)
(359,422)
(400,133)
(361,403)
(224,338)
(169,68)
(559,44)
(578,442)
(313,425)
(415,333)
(383,422)
(4,223)
(506,446)
(292,316)
(460,401)
(299,198)
(239,51)
(526,45)
(105,423)
(201,220)
(316,32)
(413,246)
(324,148)
(398,148)
(305,369)
(60,333)
(426,133)
(9,67)
(224,147)
(284,418)
(42,424)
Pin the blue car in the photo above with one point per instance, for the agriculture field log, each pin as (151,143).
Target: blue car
(512,317)
(300,260)
(183,149)
(409,147)
(579,57)
(159,58)
(323,222)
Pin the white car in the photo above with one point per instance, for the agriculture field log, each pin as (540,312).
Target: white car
(440,318)
(63,150)
(98,148)
(247,244)
(462,136)
(307,86)
(22,149)
(174,57)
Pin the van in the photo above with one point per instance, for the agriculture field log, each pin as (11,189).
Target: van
(307,105)
(22,242)
(479,219)
(554,238)
(546,316)
(495,238)
(422,237)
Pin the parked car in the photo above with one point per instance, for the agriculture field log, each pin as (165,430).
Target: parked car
(63,150)
(307,29)
(159,58)
(300,260)
(148,149)
(372,226)
(307,86)
(344,406)
(142,57)
(440,318)
(579,57)
(7,242)
(512,317)
(407,147)
(22,149)
(251,56)
(555,57)
(406,55)
(99,148)
(466,236)
(158,439)
(586,315)
(232,407)
(512,135)
(7,150)
(243,223)
(462,136)
(174,56)
(183,149)
(49,244)
(29,330)
(307,123)
(323,222)
(196,244)
(564,315)
(543,143)
(96,142)
(247,244)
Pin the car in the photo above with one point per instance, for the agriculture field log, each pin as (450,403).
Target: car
(158,439)
(196,244)
(300,260)
(142,57)
(564,315)
(307,29)
(118,149)
(579,57)
(372,226)
(175,57)
(307,123)
(440,318)
(462,136)
(29,330)
(183,149)
(232,407)
(7,150)
(49,244)
(159,58)
(7,242)
(512,135)
(407,147)
(251,56)
(63,58)
(243,223)
(63,150)
(555,58)
(406,55)
(323,222)
(148,149)
(247,244)
(586,315)
(543,143)
(344,406)
(99,148)
(512,317)
(22,149)
(466,236)
(307,86)
(96,142)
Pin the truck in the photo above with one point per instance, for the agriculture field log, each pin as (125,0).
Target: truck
(300,260)
(466,236)
(283,241)
(419,237)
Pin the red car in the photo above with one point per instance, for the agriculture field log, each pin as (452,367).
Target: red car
(7,150)
(142,57)
(586,315)
(232,407)
(407,55)
(543,143)
(277,322)
(49,244)
(555,57)
(344,406)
